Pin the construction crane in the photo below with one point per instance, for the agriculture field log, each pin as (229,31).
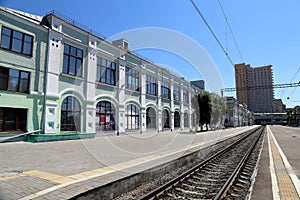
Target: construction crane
(282,85)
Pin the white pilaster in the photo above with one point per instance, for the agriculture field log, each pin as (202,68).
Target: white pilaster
(54,62)
(181,106)
(90,119)
(189,93)
(121,95)
(143,98)
(91,69)
(54,68)
(159,106)
(50,122)
(172,103)
(90,85)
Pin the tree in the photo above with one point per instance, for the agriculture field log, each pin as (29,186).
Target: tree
(293,116)
(218,109)
(202,106)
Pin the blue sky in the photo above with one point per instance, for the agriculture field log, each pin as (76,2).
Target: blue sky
(267,32)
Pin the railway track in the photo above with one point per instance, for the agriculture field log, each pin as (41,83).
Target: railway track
(225,175)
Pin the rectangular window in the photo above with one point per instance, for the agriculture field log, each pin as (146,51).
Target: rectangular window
(151,85)
(165,90)
(16,41)
(106,71)
(72,63)
(185,97)
(12,119)
(132,80)
(176,93)
(14,80)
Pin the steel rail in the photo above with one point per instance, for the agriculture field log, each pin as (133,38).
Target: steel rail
(222,192)
(156,192)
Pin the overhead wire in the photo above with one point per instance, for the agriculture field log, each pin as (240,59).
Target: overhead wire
(292,80)
(295,74)
(231,32)
(211,31)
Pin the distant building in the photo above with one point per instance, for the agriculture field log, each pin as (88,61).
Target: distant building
(278,106)
(237,114)
(255,87)
(199,83)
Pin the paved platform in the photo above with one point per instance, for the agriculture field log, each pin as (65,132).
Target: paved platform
(279,166)
(59,170)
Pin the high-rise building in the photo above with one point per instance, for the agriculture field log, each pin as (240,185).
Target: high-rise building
(255,87)
(278,106)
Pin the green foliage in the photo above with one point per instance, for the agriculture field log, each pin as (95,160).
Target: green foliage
(293,116)
(202,106)
(218,109)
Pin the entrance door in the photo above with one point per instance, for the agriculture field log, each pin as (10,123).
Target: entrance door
(105,113)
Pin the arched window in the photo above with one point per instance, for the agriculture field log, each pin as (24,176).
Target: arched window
(194,120)
(105,116)
(186,120)
(132,117)
(150,118)
(70,114)
(176,119)
(166,119)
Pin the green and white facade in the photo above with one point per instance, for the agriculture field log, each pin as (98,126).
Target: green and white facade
(58,77)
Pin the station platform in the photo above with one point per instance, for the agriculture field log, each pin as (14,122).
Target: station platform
(60,170)
(63,169)
(279,166)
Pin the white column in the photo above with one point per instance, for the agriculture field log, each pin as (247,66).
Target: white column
(54,69)
(90,86)
(172,103)
(190,107)
(181,106)
(159,106)
(143,98)
(121,96)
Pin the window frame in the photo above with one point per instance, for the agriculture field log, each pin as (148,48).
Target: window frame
(165,90)
(75,126)
(177,120)
(19,78)
(104,69)
(12,39)
(176,93)
(20,116)
(106,108)
(185,97)
(70,57)
(129,116)
(132,76)
(151,85)
(185,120)
(150,118)
(166,119)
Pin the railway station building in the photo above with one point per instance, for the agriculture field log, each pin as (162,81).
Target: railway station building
(59,76)
(237,114)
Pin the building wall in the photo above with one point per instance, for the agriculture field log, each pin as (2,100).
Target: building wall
(34,64)
(50,39)
(238,114)
(255,87)
(89,92)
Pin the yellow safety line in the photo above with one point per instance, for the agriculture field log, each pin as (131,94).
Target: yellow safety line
(286,187)
(11,177)
(42,175)
(48,176)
